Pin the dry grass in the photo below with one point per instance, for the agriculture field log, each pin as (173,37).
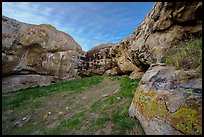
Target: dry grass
(187,56)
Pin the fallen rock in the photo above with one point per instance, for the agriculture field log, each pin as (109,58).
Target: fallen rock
(118,98)
(105,95)
(17,82)
(84,98)
(60,113)
(136,74)
(96,61)
(49,113)
(67,108)
(24,118)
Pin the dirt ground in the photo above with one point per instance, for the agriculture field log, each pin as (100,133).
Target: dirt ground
(46,119)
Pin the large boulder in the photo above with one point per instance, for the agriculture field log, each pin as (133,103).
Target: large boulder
(38,49)
(168,103)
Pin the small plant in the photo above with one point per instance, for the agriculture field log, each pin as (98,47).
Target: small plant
(187,56)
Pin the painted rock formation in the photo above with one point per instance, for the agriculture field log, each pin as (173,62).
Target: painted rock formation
(167,101)
(38,49)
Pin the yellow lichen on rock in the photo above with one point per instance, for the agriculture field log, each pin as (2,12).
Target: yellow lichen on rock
(150,105)
(187,120)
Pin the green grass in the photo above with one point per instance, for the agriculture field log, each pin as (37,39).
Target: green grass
(25,96)
(101,121)
(127,86)
(98,123)
(74,122)
(67,125)
(112,109)
(123,124)
(187,56)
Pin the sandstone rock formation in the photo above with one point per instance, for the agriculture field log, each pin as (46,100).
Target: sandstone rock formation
(165,25)
(38,49)
(97,60)
(167,101)
(107,59)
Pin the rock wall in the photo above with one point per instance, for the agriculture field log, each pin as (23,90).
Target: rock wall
(38,49)
(167,101)
(97,60)
(108,59)
(167,24)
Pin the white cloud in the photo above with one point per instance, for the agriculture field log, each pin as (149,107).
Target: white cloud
(89,23)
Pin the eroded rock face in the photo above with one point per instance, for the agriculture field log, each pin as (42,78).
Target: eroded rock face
(107,59)
(168,23)
(97,60)
(38,49)
(167,104)
(167,101)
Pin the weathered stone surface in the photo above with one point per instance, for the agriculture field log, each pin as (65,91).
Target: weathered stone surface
(17,82)
(107,59)
(113,72)
(167,101)
(168,23)
(167,104)
(136,74)
(97,60)
(123,59)
(38,49)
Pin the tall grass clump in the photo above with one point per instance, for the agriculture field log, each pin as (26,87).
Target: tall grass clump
(187,56)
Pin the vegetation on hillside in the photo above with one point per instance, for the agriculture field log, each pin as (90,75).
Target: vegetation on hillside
(186,56)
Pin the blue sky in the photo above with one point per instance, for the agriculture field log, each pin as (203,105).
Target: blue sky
(89,23)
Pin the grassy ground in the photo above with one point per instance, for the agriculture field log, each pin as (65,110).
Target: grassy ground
(93,105)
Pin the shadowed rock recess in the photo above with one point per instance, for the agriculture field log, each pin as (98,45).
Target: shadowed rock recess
(168,101)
